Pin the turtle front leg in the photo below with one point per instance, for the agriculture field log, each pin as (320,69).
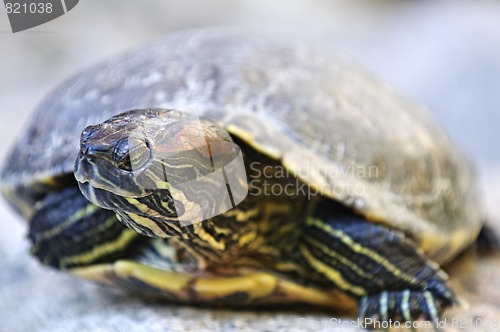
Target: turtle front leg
(67,230)
(383,269)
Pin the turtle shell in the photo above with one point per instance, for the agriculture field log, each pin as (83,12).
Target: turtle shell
(340,130)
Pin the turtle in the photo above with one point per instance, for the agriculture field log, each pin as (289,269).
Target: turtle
(220,167)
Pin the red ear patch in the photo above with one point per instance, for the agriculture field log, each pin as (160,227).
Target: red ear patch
(209,144)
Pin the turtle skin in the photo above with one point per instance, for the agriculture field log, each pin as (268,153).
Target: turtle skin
(289,106)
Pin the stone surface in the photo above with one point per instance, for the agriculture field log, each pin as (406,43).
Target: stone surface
(445,55)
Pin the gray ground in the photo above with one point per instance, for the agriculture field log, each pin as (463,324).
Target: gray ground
(445,55)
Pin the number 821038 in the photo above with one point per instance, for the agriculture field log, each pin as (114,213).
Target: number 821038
(28,8)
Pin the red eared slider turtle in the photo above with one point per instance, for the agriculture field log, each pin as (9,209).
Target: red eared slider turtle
(355,195)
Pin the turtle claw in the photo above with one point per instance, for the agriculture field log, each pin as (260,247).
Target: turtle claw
(403,306)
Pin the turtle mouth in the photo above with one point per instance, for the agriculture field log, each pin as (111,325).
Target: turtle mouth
(90,185)
(82,177)
(89,192)
(104,198)
(89,179)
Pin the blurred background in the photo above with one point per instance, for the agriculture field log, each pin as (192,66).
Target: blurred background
(445,55)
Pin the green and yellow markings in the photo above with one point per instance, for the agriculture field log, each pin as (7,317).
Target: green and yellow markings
(405,305)
(429,299)
(142,207)
(101,273)
(145,222)
(242,215)
(342,259)
(384,305)
(120,243)
(358,248)
(208,238)
(255,286)
(247,238)
(171,282)
(259,287)
(82,213)
(332,274)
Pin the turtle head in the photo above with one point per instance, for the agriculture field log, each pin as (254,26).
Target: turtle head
(155,165)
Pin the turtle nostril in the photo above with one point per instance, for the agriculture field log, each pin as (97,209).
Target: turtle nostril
(89,154)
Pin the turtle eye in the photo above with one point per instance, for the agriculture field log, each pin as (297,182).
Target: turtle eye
(122,156)
(132,153)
